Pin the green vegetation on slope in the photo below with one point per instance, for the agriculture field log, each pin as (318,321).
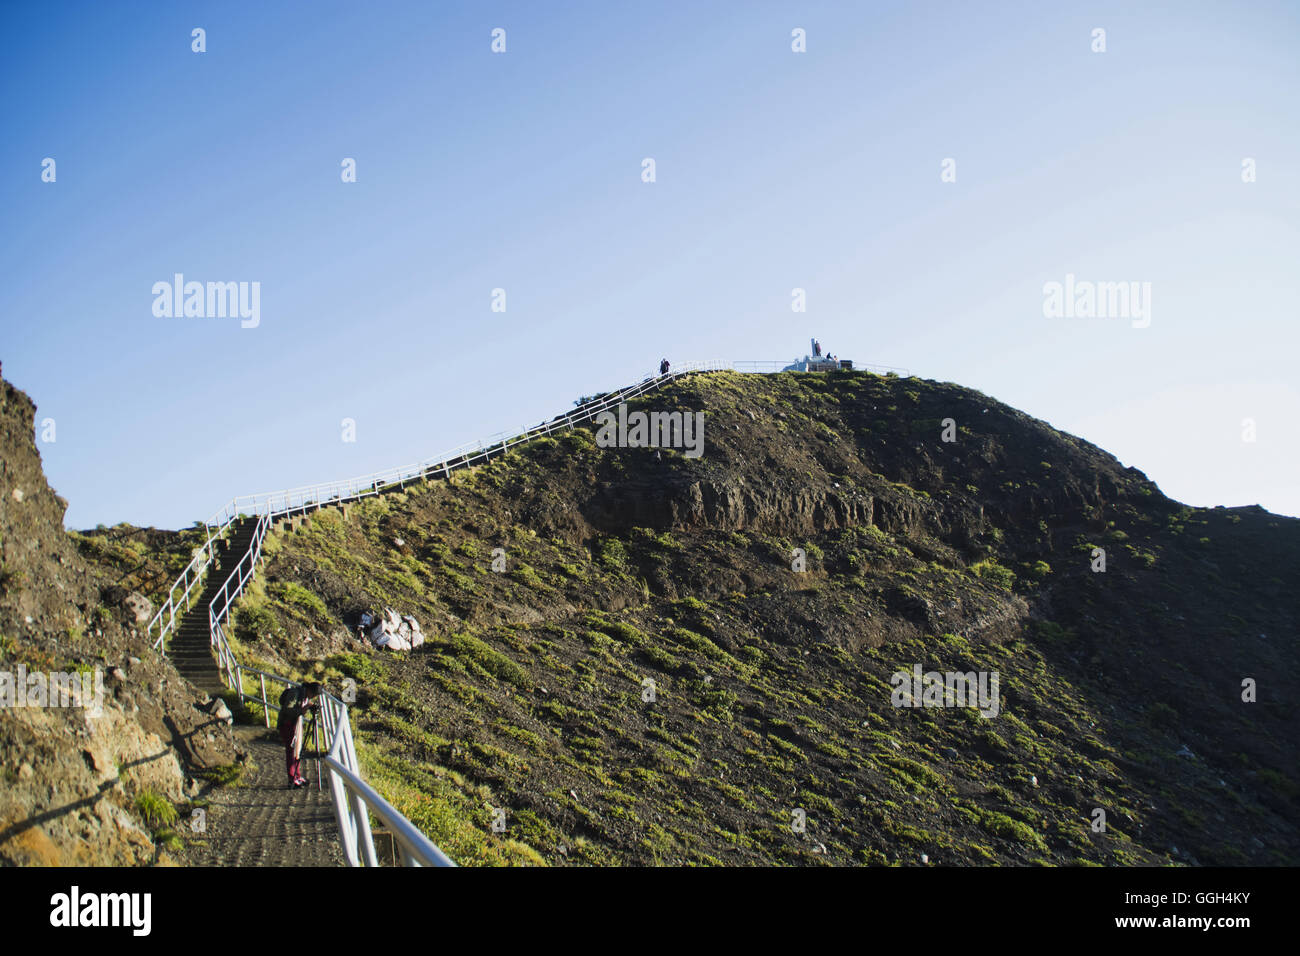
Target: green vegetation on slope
(649,680)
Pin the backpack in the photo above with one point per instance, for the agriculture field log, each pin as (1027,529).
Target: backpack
(290,706)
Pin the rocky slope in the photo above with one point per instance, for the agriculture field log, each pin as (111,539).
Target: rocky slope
(81,788)
(773,734)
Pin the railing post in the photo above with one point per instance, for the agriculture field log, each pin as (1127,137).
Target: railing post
(347,834)
(364,837)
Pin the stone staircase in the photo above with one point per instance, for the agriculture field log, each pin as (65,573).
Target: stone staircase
(190,645)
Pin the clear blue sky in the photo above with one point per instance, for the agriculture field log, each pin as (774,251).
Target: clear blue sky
(522,170)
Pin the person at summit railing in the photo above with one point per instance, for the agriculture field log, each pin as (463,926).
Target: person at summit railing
(295,702)
(663,367)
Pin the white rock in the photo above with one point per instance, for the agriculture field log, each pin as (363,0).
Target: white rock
(138,606)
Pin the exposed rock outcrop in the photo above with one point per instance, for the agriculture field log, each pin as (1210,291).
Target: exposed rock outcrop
(73,774)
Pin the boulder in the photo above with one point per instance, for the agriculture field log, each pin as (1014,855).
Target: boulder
(139,609)
(220,711)
(395,632)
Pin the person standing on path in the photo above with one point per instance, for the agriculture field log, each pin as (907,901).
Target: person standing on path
(295,702)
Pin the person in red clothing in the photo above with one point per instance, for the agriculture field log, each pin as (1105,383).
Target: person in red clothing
(663,367)
(295,702)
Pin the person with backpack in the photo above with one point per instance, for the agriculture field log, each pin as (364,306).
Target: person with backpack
(295,703)
(663,367)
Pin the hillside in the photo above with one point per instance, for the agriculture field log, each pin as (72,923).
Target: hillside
(83,789)
(1119,690)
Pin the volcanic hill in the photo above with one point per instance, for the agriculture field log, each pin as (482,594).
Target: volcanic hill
(637,656)
(772,735)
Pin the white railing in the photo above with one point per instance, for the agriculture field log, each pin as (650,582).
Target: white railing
(299,500)
(304,497)
(165,620)
(353,798)
(289,501)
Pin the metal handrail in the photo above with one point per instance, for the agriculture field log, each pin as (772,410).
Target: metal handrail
(416,849)
(300,498)
(304,497)
(199,562)
(353,798)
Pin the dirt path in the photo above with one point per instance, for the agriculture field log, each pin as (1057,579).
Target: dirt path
(261,822)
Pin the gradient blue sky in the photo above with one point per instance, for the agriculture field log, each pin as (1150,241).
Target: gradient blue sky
(521,170)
